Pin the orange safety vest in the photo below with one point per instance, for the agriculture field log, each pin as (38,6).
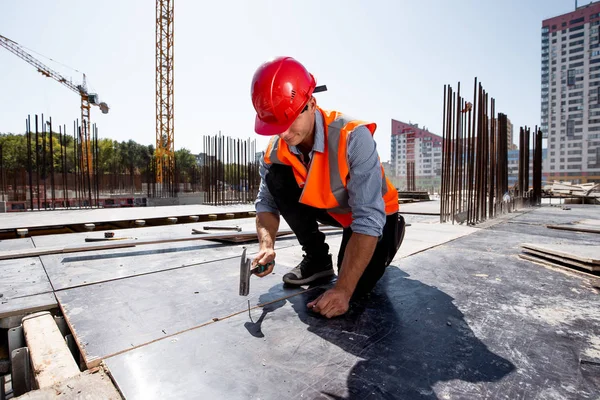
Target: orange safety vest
(324,184)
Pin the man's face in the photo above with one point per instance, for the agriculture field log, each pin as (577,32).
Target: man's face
(301,127)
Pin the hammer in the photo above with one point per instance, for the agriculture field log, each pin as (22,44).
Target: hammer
(246,271)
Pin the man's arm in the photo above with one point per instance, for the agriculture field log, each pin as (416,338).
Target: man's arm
(266,227)
(368,212)
(368,209)
(267,222)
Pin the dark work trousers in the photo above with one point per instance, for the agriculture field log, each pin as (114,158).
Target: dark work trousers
(303,220)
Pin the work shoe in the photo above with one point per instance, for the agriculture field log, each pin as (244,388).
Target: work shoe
(309,270)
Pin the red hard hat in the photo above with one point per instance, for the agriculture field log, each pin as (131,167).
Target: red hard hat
(281,88)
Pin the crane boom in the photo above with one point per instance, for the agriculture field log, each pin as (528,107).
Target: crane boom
(16,49)
(87,99)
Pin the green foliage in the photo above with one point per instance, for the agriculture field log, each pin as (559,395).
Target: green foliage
(14,150)
(184,159)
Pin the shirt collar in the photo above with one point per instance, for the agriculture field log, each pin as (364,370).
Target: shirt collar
(319,144)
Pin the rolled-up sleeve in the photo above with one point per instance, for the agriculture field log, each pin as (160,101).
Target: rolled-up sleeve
(364,184)
(264,200)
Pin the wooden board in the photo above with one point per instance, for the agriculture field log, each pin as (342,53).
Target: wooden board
(15,254)
(51,359)
(587,254)
(90,385)
(554,265)
(566,261)
(576,228)
(72,270)
(119,244)
(593,222)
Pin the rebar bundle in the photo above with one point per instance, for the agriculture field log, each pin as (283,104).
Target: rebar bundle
(474,158)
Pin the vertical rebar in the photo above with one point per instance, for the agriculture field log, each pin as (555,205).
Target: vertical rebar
(52,168)
(29,161)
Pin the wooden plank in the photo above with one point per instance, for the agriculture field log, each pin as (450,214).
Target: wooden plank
(51,359)
(15,254)
(90,385)
(565,261)
(26,305)
(589,254)
(594,222)
(8,255)
(553,265)
(576,228)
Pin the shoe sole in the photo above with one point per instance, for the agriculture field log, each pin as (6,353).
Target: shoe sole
(312,278)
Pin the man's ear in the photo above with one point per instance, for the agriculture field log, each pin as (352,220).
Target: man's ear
(312,104)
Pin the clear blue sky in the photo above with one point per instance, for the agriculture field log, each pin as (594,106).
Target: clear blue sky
(379,59)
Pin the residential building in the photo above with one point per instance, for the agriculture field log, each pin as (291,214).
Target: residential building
(570,98)
(409,143)
(509,135)
(513,167)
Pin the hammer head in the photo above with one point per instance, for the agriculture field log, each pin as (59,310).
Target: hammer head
(245,273)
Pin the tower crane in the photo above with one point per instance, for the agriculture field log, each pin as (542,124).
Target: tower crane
(165,127)
(87,99)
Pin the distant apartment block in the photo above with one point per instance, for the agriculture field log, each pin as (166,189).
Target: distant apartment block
(409,143)
(513,167)
(570,98)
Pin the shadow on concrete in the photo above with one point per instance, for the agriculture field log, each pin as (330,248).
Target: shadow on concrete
(406,337)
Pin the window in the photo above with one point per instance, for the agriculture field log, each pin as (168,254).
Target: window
(570,127)
(576,21)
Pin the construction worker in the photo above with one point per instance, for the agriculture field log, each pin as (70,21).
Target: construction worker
(321,166)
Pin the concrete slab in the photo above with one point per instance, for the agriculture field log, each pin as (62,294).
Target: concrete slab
(23,277)
(16,244)
(447,324)
(76,269)
(27,304)
(142,309)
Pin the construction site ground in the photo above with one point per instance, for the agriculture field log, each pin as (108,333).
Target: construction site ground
(457,315)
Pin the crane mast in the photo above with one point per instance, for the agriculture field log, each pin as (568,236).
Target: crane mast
(165,147)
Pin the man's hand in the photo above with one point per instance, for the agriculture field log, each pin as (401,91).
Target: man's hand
(332,303)
(264,257)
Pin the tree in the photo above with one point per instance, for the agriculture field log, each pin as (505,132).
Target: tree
(184,159)
(14,151)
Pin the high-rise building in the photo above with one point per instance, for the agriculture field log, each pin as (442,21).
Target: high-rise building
(509,132)
(413,144)
(509,135)
(570,102)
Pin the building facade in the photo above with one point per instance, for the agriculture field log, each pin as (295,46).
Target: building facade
(409,143)
(509,135)
(570,98)
(513,167)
